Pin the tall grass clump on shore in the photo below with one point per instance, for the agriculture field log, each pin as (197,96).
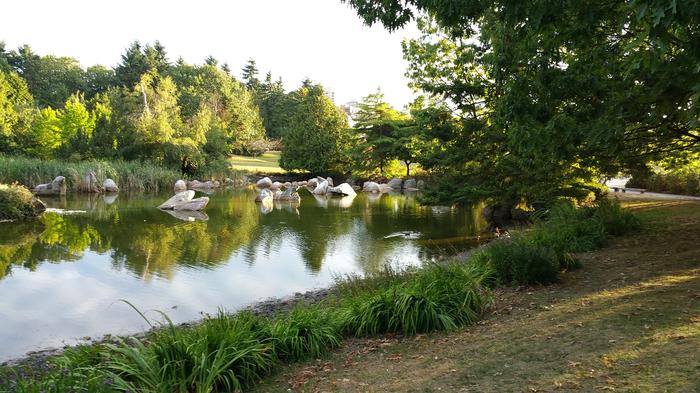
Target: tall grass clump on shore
(537,256)
(129,175)
(437,297)
(16,202)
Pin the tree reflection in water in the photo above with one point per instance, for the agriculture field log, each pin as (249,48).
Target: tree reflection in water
(150,243)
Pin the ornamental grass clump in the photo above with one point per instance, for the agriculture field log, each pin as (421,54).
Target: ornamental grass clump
(518,261)
(438,297)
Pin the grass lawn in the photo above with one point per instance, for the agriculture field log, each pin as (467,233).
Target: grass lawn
(628,321)
(265,163)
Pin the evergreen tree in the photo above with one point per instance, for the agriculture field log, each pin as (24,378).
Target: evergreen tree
(250,75)
(318,139)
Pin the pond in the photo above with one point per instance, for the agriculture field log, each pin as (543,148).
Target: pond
(62,277)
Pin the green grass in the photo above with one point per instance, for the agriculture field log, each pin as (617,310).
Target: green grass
(129,176)
(265,163)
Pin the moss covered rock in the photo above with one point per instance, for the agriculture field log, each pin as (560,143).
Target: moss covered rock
(18,203)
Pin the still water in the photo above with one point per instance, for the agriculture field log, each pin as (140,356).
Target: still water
(61,277)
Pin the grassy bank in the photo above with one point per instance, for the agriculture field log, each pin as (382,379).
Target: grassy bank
(129,176)
(626,321)
(230,352)
(16,203)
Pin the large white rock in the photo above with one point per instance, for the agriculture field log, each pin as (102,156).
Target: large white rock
(330,181)
(192,205)
(110,186)
(180,186)
(290,194)
(90,183)
(265,182)
(396,183)
(56,187)
(385,188)
(177,199)
(370,186)
(276,186)
(312,182)
(264,196)
(321,188)
(343,189)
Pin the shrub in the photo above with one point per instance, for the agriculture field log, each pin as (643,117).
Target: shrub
(435,298)
(305,332)
(519,261)
(16,203)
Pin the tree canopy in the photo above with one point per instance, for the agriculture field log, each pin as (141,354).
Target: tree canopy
(318,139)
(546,95)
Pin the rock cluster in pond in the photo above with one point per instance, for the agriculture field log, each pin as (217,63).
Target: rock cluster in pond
(185,201)
(56,187)
(395,184)
(205,185)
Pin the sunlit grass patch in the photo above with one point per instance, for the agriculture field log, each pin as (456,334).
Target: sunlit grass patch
(266,163)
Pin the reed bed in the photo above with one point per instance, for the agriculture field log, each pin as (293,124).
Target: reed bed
(130,176)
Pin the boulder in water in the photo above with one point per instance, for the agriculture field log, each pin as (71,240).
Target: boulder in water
(395,183)
(180,186)
(177,199)
(192,205)
(370,186)
(343,189)
(410,183)
(90,183)
(276,186)
(321,188)
(265,182)
(264,196)
(56,187)
(110,186)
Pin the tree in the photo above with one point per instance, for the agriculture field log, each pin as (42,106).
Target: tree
(76,127)
(97,80)
(250,75)
(551,93)
(276,107)
(15,110)
(138,60)
(376,124)
(318,139)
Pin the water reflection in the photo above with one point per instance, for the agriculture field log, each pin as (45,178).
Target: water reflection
(72,268)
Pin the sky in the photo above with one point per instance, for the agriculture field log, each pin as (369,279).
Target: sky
(321,39)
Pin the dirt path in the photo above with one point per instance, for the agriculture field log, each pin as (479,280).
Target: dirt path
(629,321)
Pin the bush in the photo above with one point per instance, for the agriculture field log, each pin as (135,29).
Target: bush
(519,261)
(16,203)
(537,256)
(683,180)
(435,298)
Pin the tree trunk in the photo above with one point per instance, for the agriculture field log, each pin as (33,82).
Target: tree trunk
(408,168)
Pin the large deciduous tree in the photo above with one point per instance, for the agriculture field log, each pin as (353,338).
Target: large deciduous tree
(547,94)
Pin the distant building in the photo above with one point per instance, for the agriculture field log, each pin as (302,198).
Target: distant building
(350,108)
